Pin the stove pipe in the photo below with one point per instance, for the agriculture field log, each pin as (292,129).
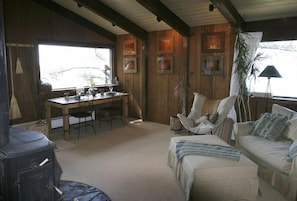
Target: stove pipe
(4,100)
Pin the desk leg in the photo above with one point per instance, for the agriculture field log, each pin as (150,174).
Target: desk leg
(48,117)
(66,122)
(125,109)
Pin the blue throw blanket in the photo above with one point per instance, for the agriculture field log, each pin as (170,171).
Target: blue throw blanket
(185,147)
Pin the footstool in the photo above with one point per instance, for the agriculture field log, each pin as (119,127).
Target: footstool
(209,178)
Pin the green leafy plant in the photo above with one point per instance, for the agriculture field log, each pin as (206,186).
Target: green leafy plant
(246,67)
(246,70)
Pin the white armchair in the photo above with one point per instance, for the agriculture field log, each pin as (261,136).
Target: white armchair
(206,114)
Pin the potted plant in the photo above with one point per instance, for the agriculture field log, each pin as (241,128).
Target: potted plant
(246,70)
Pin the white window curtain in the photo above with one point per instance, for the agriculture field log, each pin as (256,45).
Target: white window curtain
(252,39)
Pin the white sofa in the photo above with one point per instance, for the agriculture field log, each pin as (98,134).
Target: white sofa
(271,142)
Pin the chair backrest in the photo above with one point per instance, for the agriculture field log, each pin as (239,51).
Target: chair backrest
(86,104)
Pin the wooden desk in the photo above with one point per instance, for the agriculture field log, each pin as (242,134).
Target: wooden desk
(66,105)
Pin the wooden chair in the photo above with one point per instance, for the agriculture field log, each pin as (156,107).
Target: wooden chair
(84,113)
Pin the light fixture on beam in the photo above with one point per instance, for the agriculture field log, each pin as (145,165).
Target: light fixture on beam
(211,7)
(159,19)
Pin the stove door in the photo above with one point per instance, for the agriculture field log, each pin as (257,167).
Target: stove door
(36,184)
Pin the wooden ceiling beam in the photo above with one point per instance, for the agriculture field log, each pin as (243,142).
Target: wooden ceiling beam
(276,29)
(271,25)
(163,13)
(114,17)
(229,12)
(76,18)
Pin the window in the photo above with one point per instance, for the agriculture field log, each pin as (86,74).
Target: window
(65,66)
(282,55)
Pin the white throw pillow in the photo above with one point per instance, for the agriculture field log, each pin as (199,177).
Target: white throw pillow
(224,107)
(292,129)
(197,106)
(202,119)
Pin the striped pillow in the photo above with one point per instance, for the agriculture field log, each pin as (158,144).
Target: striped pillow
(270,126)
(292,151)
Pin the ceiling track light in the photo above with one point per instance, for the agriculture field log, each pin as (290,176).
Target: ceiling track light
(211,7)
(159,19)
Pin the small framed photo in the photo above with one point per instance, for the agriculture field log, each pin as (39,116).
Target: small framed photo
(213,42)
(165,64)
(212,64)
(165,45)
(129,47)
(130,65)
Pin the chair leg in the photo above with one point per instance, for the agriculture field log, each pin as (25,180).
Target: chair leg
(93,126)
(78,133)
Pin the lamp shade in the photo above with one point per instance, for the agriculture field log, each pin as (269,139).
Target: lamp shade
(270,71)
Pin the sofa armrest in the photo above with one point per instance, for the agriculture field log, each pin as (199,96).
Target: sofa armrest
(241,129)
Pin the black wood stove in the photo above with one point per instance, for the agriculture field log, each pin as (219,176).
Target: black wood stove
(28,168)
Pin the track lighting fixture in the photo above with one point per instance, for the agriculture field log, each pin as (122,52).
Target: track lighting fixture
(211,7)
(159,19)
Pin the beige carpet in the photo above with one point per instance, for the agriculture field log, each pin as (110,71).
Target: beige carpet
(129,163)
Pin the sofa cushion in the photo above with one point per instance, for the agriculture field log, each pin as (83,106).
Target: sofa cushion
(273,153)
(270,126)
(292,151)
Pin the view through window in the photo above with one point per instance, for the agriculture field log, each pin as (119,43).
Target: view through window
(72,66)
(282,55)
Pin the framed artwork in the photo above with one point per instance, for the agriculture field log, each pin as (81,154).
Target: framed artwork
(129,47)
(213,42)
(165,45)
(165,64)
(130,65)
(212,64)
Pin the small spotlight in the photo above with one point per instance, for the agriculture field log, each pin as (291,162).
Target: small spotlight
(211,7)
(159,19)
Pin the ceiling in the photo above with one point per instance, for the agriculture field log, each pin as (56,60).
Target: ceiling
(138,17)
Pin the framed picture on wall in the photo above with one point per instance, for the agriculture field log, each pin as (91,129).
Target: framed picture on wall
(213,42)
(130,65)
(165,64)
(129,47)
(212,64)
(165,45)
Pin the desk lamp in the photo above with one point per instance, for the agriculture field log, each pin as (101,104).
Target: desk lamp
(269,72)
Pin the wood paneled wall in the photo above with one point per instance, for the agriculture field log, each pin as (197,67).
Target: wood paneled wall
(159,103)
(152,94)
(26,22)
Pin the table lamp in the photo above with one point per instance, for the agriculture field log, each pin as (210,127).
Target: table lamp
(269,72)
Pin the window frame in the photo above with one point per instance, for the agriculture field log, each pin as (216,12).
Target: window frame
(78,44)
